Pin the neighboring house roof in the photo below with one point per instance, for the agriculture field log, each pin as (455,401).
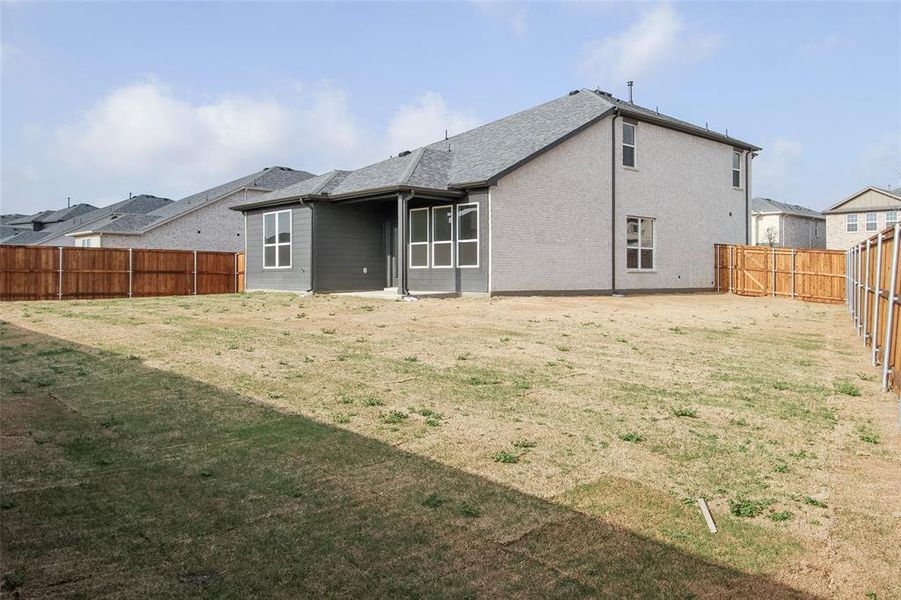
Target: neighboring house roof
(270,178)
(892,200)
(5,219)
(47,217)
(480,156)
(766,206)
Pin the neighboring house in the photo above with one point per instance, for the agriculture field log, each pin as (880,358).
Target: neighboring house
(201,221)
(786,225)
(583,194)
(58,234)
(31,229)
(860,216)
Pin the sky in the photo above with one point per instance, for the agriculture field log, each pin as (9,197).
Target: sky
(103,99)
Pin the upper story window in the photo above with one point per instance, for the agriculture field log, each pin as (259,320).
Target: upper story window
(851,223)
(419,238)
(442,236)
(872,223)
(640,242)
(891,217)
(628,144)
(85,242)
(736,169)
(468,235)
(277,240)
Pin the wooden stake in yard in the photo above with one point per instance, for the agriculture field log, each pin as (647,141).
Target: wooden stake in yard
(705,510)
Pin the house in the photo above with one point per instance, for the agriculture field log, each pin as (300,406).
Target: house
(31,229)
(786,225)
(201,221)
(584,194)
(859,216)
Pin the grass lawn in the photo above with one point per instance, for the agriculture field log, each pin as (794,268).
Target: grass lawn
(270,445)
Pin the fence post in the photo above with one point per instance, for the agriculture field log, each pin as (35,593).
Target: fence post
(236,273)
(866,293)
(60,282)
(774,271)
(195,272)
(858,271)
(716,265)
(130,270)
(890,308)
(793,272)
(875,327)
(731,248)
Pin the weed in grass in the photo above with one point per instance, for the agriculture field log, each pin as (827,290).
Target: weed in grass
(393,418)
(275,395)
(328,331)
(428,412)
(781,468)
(433,501)
(781,385)
(505,339)
(867,434)
(505,457)
(622,340)
(814,502)
(782,515)
(307,359)
(524,444)
(367,308)
(847,388)
(341,419)
(372,401)
(563,348)
(677,330)
(631,437)
(867,376)
(433,422)
(479,380)
(804,362)
(7,503)
(464,356)
(468,511)
(411,359)
(345,399)
(14,579)
(743,507)
(685,412)
(206,473)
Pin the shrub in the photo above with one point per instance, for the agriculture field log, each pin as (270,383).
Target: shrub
(847,388)
(743,507)
(782,515)
(372,401)
(631,437)
(393,418)
(814,502)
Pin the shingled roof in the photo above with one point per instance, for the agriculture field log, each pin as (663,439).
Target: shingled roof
(480,156)
(766,206)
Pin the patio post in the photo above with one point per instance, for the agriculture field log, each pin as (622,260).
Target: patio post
(401,244)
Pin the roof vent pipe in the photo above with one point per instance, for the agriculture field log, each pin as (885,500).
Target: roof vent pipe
(404,153)
(574,92)
(629,83)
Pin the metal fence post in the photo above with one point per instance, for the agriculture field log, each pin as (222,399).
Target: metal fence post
(130,270)
(195,272)
(890,315)
(859,272)
(866,294)
(875,327)
(59,284)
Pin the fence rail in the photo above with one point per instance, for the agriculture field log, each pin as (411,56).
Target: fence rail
(873,298)
(813,275)
(70,273)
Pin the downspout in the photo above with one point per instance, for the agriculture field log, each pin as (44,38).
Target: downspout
(747,199)
(613,201)
(313,253)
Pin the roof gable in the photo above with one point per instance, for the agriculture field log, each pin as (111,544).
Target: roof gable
(870,198)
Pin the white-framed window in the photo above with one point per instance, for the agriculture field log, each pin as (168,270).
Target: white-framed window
(640,242)
(277,240)
(629,144)
(851,223)
(736,169)
(872,222)
(468,235)
(419,238)
(442,237)
(86,242)
(891,217)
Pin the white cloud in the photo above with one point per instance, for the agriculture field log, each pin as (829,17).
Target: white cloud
(513,15)
(424,121)
(778,170)
(146,138)
(659,38)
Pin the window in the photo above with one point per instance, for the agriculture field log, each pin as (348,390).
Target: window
(442,236)
(628,144)
(277,240)
(891,217)
(851,223)
(872,224)
(85,242)
(419,238)
(467,235)
(639,243)
(736,169)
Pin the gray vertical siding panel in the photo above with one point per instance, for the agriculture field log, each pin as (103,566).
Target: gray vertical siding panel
(295,279)
(456,279)
(350,251)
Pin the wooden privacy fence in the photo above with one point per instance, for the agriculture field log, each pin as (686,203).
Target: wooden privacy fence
(805,274)
(68,273)
(874,287)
